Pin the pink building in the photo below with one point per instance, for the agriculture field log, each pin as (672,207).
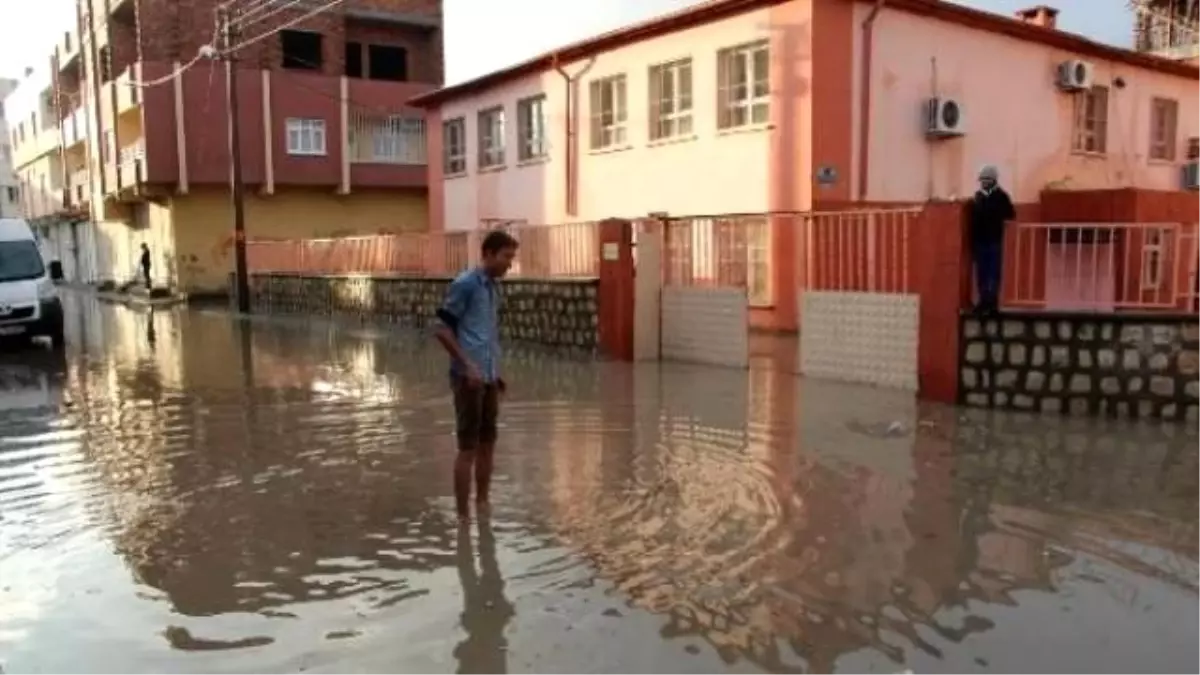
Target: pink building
(750,106)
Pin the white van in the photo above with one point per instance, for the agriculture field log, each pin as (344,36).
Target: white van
(29,302)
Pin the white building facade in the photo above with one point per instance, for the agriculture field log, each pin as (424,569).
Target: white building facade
(10,196)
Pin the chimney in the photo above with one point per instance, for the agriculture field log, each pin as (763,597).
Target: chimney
(1041,15)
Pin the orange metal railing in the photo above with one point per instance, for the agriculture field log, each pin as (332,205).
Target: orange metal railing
(1101,267)
(866,250)
(565,250)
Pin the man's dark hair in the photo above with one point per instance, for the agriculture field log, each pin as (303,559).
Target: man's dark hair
(496,241)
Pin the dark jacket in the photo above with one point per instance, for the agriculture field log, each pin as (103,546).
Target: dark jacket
(145,261)
(989,212)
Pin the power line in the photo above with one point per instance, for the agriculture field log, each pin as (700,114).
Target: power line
(301,19)
(247,18)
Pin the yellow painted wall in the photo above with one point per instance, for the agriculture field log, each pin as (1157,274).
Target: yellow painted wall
(119,244)
(203,224)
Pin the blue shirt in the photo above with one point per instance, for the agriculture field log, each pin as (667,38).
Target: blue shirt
(470,310)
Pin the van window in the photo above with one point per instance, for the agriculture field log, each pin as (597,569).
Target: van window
(20,260)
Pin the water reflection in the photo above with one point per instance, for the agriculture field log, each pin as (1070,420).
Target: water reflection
(275,495)
(486,612)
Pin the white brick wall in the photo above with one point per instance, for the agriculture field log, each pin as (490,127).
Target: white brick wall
(705,325)
(860,337)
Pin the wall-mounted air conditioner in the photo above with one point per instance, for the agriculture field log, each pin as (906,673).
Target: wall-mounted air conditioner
(1191,175)
(1075,75)
(944,118)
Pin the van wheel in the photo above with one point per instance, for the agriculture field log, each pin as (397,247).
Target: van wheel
(58,341)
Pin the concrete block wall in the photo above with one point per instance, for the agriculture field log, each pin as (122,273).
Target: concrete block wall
(706,325)
(870,338)
(560,313)
(1122,366)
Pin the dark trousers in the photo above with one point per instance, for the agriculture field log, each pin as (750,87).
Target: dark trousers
(146,277)
(989,262)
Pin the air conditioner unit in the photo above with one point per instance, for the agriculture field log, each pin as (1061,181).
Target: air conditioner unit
(1075,75)
(1191,175)
(943,118)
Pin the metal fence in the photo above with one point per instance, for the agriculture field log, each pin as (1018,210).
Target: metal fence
(566,250)
(865,250)
(1102,266)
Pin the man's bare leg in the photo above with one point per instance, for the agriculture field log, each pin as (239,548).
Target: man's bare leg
(483,473)
(463,465)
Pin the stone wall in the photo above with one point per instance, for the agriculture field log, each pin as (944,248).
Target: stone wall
(1124,366)
(560,313)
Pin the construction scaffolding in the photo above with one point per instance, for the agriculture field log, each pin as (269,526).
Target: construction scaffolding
(1166,27)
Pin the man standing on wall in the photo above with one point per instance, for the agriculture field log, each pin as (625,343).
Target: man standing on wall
(991,209)
(469,331)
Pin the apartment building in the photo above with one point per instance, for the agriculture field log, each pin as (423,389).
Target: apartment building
(10,206)
(328,146)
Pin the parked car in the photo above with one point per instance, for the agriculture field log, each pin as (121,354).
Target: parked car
(29,302)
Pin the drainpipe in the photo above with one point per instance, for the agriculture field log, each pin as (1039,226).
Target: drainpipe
(864,121)
(568,139)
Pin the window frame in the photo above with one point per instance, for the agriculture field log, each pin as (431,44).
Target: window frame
(532,139)
(754,105)
(679,121)
(1164,129)
(1091,130)
(617,124)
(491,154)
(302,126)
(454,163)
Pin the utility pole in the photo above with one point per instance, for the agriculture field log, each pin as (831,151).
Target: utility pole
(235,160)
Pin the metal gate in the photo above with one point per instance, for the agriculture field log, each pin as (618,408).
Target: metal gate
(857,297)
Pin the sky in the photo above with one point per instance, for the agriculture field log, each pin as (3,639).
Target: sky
(485,35)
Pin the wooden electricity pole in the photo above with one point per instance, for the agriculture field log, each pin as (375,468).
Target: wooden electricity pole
(235,160)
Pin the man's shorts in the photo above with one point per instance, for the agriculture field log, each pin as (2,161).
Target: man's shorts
(475,413)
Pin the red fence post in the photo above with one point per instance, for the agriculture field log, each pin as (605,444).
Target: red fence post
(614,301)
(942,269)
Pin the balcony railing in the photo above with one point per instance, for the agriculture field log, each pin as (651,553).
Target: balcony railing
(387,139)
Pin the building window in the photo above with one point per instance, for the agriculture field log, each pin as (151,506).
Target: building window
(743,85)
(13,194)
(305,136)
(531,125)
(106,64)
(608,114)
(671,100)
(1152,255)
(301,49)
(354,59)
(387,63)
(1164,121)
(1091,121)
(454,143)
(491,138)
(108,146)
(392,139)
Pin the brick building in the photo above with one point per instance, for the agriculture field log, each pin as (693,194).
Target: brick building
(140,144)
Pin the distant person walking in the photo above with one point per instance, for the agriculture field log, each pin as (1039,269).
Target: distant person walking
(145,265)
(991,209)
(469,331)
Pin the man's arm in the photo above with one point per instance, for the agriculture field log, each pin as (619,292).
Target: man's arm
(1010,211)
(451,312)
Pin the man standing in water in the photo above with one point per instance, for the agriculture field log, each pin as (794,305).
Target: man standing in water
(991,209)
(144,263)
(470,332)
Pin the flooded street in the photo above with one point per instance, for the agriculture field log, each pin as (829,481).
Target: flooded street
(187,492)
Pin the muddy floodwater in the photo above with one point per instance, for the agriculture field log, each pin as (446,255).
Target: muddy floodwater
(187,492)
